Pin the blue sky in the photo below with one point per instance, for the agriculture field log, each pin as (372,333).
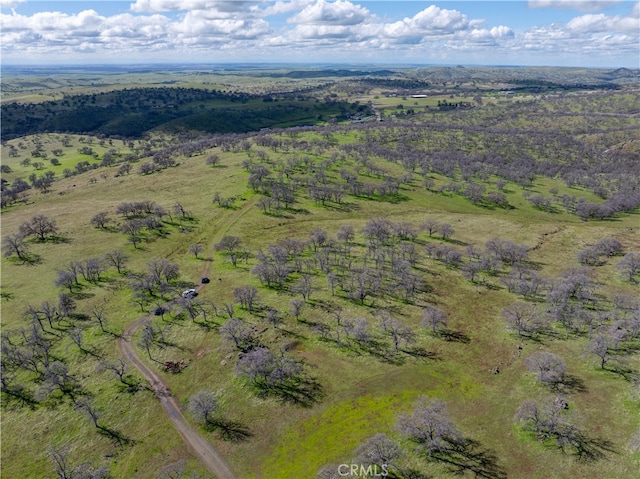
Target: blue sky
(601,33)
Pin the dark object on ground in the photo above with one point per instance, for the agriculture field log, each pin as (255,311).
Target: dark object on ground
(173,366)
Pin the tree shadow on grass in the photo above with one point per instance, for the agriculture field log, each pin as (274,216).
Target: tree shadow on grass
(420,352)
(132,386)
(342,207)
(17,397)
(537,338)
(232,431)
(57,240)
(622,370)
(303,391)
(30,259)
(454,336)
(468,455)
(278,214)
(591,449)
(570,384)
(117,437)
(386,355)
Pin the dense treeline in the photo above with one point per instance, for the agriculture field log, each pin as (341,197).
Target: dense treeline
(132,112)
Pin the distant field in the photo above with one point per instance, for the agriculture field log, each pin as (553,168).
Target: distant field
(522,168)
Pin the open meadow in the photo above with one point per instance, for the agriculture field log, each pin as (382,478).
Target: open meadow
(430,286)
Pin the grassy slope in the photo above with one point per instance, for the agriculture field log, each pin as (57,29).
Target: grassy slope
(362,394)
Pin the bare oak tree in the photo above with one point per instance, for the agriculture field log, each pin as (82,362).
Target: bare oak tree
(430,426)
(15,244)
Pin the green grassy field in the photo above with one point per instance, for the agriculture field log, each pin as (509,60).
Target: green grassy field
(362,392)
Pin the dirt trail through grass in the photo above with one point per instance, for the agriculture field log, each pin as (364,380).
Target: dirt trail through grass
(203,449)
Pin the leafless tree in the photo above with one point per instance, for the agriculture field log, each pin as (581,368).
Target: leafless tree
(523,318)
(195,249)
(265,203)
(39,226)
(303,286)
(507,251)
(56,377)
(379,451)
(204,406)
(346,233)
(231,245)
(66,305)
(147,338)
(398,332)
(629,266)
(330,471)
(162,271)
(601,345)
(15,244)
(377,231)
(318,238)
(242,334)
(446,230)
(434,318)
(64,469)
(549,421)
(49,312)
(116,258)
(98,313)
(430,426)
(274,317)
(431,225)
(295,307)
(213,160)
(101,220)
(246,296)
(550,369)
(92,269)
(266,370)
(119,368)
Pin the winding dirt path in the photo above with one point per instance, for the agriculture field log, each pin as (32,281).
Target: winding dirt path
(203,449)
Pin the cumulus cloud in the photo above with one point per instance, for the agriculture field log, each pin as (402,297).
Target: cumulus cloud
(430,22)
(280,7)
(340,29)
(580,5)
(144,6)
(603,23)
(434,19)
(196,26)
(10,3)
(86,32)
(336,13)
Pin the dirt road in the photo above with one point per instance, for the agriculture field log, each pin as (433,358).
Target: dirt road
(203,449)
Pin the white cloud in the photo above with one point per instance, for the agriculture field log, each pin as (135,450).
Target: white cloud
(280,7)
(206,30)
(195,26)
(580,5)
(603,23)
(10,3)
(335,13)
(143,6)
(501,32)
(126,28)
(430,22)
(434,19)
